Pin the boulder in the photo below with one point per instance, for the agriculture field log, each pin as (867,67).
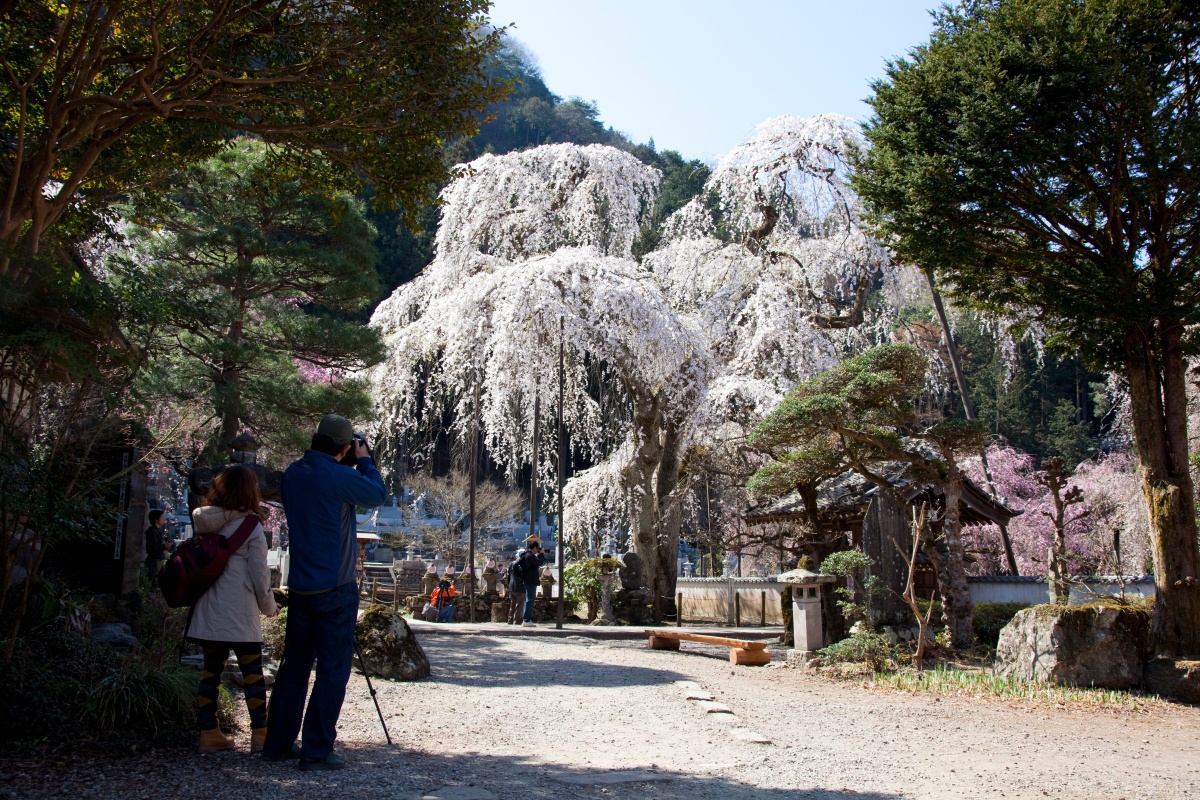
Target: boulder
(1093,645)
(1179,680)
(117,635)
(389,646)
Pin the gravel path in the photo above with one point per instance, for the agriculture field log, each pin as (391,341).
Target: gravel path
(521,717)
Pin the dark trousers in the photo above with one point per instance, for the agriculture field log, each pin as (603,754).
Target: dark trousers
(153,567)
(249,657)
(516,599)
(530,596)
(320,627)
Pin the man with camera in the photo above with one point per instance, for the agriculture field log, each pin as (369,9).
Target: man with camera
(525,571)
(319,493)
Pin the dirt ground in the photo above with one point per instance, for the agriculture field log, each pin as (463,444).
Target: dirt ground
(523,717)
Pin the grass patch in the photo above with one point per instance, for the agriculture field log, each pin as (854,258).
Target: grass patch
(982,683)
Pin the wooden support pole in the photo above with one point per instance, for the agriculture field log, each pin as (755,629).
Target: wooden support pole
(737,609)
(762,623)
(679,610)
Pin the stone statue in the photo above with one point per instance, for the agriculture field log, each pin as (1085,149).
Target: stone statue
(631,571)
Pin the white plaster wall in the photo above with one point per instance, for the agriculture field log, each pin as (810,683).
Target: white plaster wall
(707,600)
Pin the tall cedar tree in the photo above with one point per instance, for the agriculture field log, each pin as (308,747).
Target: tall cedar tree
(240,258)
(862,414)
(1041,156)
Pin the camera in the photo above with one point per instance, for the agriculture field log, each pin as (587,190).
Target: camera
(350,459)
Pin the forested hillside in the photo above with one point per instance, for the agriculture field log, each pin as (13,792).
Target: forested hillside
(531,115)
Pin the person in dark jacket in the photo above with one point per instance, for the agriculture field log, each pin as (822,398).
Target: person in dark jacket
(529,565)
(319,495)
(156,546)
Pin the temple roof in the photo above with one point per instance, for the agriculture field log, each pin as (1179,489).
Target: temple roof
(845,498)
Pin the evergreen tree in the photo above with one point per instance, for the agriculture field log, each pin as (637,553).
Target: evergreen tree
(246,262)
(861,414)
(1040,155)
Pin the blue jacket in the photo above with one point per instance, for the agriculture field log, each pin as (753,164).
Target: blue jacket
(319,496)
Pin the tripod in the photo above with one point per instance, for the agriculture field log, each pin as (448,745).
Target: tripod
(362,662)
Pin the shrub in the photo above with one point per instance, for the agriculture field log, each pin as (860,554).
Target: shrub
(582,582)
(136,696)
(990,619)
(864,647)
(273,634)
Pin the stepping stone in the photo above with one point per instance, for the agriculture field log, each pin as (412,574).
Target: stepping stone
(687,685)
(747,735)
(699,696)
(715,708)
(600,778)
(459,793)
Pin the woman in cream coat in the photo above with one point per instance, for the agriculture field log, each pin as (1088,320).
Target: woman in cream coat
(228,617)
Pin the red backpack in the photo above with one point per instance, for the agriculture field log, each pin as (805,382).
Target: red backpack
(198,562)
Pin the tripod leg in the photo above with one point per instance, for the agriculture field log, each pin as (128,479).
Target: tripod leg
(362,662)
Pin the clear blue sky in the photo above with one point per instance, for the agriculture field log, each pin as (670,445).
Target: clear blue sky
(698,75)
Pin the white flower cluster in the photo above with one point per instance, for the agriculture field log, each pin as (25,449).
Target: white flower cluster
(747,294)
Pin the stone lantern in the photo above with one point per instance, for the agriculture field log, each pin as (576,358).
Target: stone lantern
(807,625)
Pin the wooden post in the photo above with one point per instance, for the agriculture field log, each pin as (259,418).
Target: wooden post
(562,466)
(374,588)
(679,610)
(473,461)
(533,503)
(737,609)
(762,623)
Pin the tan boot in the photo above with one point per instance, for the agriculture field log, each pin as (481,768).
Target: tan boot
(258,737)
(214,741)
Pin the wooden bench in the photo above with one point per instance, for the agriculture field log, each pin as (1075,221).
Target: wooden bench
(741,651)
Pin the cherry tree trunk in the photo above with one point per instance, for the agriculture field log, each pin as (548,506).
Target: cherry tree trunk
(1156,370)
(656,514)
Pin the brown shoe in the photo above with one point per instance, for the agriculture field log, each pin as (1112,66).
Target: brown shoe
(214,741)
(258,737)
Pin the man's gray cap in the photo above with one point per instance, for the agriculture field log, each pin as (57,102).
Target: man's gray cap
(336,428)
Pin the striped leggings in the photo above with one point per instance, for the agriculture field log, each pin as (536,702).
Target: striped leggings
(249,657)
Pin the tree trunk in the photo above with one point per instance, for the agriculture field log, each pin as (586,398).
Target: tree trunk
(969,409)
(957,610)
(656,514)
(1156,370)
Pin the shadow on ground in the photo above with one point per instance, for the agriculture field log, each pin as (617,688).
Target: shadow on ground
(494,661)
(373,771)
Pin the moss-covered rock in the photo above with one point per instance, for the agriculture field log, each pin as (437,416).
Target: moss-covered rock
(389,646)
(1096,645)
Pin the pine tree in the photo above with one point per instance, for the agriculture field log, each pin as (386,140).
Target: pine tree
(249,268)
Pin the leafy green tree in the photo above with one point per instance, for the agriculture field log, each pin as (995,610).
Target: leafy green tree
(243,260)
(99,97)
(861,413)
(1040,156)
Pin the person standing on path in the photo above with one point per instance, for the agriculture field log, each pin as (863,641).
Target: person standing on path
(156,547)
(319,495)
(227,617)
(516,590)
(530,563)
